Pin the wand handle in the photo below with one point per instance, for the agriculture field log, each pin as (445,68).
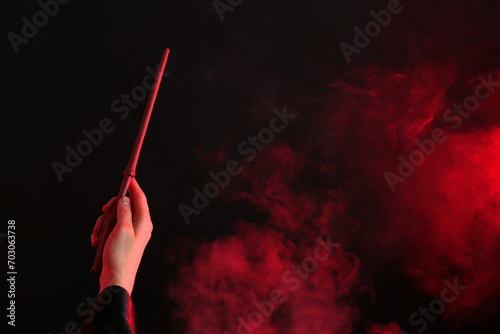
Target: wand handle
(110,221)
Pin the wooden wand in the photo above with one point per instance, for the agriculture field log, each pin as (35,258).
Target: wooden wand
(110,221)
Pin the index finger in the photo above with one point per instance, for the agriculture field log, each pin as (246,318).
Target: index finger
(108,206)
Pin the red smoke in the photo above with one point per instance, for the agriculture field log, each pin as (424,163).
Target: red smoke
(442,222)
(443,219)
(449,216)
(230,277)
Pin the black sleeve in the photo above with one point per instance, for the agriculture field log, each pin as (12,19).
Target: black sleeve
(112,313)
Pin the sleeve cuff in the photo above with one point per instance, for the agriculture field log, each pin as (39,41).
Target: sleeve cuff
(113,312)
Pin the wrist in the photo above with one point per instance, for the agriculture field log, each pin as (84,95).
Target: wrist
(108,280)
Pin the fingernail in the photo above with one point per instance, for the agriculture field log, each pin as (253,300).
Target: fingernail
(125,200)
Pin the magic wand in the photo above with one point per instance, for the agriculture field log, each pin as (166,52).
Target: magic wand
(110,221)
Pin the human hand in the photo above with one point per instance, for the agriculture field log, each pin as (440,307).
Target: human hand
(126,243)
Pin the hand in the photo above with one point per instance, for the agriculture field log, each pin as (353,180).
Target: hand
(126,243)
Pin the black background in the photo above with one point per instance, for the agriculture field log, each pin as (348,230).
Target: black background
(64,80)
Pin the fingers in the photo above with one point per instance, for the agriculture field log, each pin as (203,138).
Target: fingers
(108,206)
(142,219)
(124,212)
(132,211)
(94,238)
(139,201)
(96,232)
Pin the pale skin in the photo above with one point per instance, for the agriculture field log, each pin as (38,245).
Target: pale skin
(126,243)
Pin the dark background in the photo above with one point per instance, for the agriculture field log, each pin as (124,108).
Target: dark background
(64,80)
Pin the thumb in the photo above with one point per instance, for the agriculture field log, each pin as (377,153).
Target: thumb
(124,212)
